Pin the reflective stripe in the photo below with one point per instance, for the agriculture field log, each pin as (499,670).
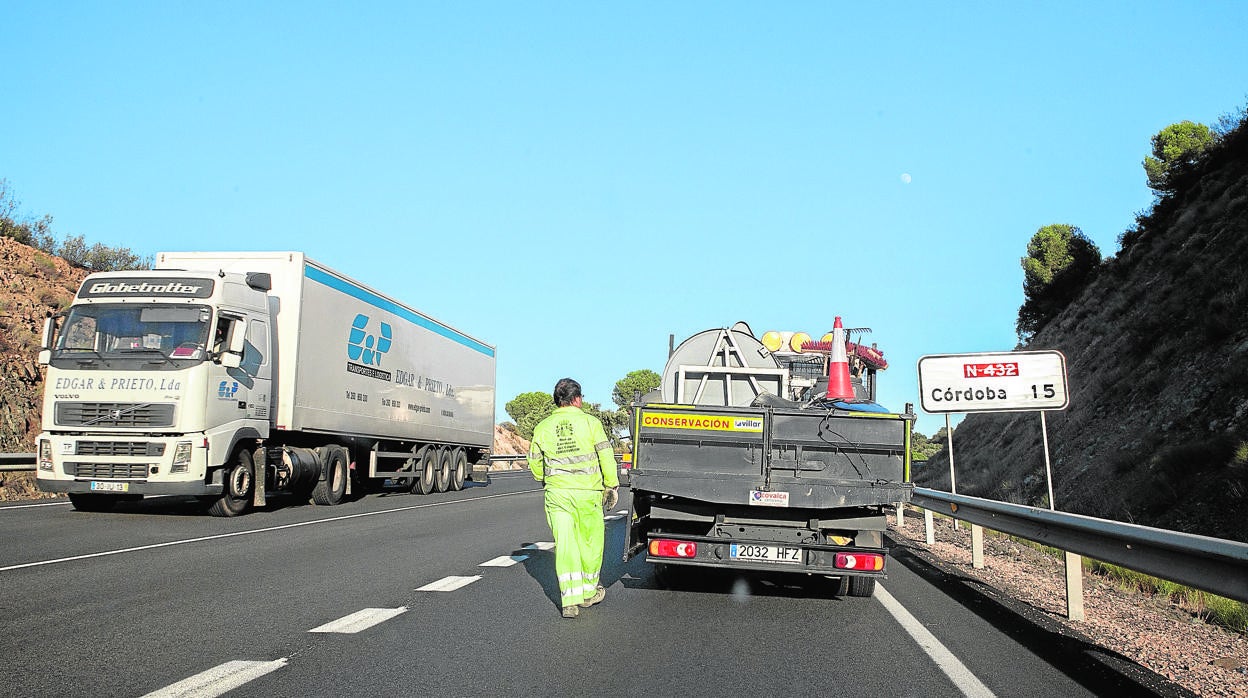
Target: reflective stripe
(575,591)
(577,471)
(569,576)
(602,445)
(571,459)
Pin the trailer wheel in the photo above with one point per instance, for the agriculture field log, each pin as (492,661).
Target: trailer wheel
(459,469)
(443,481)
(427,463)
(92,502)
(239,480)
(331,489)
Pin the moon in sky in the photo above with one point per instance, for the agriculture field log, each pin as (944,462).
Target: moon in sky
(905,177)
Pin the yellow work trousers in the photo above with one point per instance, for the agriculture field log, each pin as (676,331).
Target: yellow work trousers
(575,518)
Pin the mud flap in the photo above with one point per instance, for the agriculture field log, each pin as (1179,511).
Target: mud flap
(480,473)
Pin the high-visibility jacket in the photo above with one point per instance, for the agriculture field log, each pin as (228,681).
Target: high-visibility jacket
(570,450)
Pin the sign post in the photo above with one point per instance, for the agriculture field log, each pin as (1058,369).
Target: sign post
(1018,381)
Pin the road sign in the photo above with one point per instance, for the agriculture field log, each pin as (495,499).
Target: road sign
(1013,381)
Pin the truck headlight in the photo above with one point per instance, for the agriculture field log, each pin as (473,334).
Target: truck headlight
(45,454)
(181,457)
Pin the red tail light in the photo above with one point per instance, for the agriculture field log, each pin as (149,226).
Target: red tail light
(867,562)
(673,548)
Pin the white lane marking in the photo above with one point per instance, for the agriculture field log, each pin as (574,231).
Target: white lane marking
(269,529)
(58,503)
(449,583)
(504,561)
(544,545)
(968,683)
(218,680)
(360,620)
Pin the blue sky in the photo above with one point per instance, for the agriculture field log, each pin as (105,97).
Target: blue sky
(573,182)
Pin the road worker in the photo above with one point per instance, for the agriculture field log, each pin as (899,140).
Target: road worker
(571,455)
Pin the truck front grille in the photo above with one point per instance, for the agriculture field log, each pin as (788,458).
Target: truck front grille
(109,471)
(119,448)
(114,414)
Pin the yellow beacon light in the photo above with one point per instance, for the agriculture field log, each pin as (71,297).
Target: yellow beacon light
(799,338)
(773,340)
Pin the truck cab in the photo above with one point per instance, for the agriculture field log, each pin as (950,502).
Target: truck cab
(153,378)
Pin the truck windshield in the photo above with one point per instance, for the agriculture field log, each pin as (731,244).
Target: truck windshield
(170,334)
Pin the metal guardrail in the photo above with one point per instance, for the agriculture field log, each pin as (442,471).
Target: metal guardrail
(1210,564)
(17,462)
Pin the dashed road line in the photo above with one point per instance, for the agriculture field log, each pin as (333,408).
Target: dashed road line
(218,680)
(504,561)
(360,620)
(543,545)
(449,583)
(968,683)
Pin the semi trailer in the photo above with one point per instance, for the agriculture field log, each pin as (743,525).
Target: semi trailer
(234,376)
(768,455)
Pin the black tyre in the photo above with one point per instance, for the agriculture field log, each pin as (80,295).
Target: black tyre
(332,488)
(239,482)
(427,459)
(459,469)
(861,586)
(442,481)
(93,502)
(668,576)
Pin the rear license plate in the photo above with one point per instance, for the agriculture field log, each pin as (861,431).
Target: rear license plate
(765,553)
(110,486)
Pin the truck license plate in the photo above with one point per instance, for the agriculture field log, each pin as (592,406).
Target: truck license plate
(764,553)
(110,486)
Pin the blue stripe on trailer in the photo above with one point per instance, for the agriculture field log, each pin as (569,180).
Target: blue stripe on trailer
(394,308)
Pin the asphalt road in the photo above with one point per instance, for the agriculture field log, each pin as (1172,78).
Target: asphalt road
(454,594)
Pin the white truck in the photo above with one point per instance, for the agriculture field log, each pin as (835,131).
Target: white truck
(231,376)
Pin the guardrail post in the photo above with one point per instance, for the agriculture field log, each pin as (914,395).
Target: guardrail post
(1074,586)
(930,525)
(901,514)
(977,546)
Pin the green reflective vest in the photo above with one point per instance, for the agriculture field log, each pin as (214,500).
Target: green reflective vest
(570,450)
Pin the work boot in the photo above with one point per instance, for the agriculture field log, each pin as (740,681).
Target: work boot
(571,611)
(599,594)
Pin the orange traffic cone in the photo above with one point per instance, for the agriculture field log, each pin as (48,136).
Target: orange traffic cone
(839,386)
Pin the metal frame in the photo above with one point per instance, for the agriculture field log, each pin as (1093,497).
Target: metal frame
(1210,564)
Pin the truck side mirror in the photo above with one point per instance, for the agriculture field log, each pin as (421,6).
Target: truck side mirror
(45,345)
(232,355)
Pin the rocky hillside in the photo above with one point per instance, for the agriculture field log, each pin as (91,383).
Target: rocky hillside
(508,442)
(1157,355)
(32,286)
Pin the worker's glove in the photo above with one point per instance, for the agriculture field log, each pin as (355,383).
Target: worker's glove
(610,497)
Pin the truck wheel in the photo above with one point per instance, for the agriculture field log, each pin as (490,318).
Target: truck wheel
(861,586)
(427,464)
(443,481)
(92,502)
(459,469)
(331,489)
(235,498)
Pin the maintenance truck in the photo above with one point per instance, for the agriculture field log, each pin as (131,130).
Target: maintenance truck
(769,456)
(233,376)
